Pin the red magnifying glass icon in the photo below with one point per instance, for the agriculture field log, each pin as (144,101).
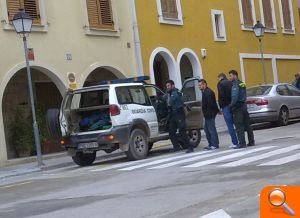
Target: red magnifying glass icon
(277,198)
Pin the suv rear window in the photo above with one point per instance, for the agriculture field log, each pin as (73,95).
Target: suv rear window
(258,90)
(132,95)
(90,99)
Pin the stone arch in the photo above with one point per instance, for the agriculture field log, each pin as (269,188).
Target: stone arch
(48,72)
(173,70)
(189,55)
(116,72)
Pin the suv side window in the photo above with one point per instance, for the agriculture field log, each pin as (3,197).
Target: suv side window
(132,95)
(123,95)
(191,91)
(283,90)
(139,96)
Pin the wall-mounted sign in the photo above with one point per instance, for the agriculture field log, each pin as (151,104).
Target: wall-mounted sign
(72,80)
(69,56)
(30,54)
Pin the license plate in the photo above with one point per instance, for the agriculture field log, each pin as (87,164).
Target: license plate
(88,145)
(249,106)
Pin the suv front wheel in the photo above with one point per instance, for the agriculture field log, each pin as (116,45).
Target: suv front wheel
(138,145)
(83,159)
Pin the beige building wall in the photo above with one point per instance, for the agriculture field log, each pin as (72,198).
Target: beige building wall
(65,30)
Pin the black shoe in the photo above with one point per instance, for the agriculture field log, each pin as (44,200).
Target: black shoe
(190,150)
(243,146)
(175,150)
(250,144)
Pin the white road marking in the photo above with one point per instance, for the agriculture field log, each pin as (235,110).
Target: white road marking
(190,159)
(281,161)
(164,160)
(262,156)
(217,214)
(130,163)
(216,160)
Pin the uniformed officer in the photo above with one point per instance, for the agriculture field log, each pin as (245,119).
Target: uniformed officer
(176,117)
(240,114)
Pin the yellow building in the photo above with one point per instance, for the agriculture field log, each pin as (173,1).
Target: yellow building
(93,38)
(183,38)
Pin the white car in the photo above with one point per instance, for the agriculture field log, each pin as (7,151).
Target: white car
(120,114)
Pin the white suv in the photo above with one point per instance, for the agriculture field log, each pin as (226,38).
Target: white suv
(130,116)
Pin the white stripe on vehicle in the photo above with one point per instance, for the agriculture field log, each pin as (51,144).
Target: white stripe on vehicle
(216,160)
(261,157)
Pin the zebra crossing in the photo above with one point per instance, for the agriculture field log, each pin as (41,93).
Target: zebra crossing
(256,156)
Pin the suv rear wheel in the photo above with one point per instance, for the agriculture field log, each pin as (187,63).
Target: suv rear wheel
(83,159)
(194,137)
(138,145)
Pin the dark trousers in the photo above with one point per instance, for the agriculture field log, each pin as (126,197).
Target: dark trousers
(177,121)
(241,121)
(211,132)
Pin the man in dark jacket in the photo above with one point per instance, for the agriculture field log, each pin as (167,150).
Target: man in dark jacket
(297,81)
(176,117)
(239,110)
(224,93)
(210,110)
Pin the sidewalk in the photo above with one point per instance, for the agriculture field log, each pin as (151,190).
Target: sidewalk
(25,166)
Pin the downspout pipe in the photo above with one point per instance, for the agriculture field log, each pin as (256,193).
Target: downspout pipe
(137,42)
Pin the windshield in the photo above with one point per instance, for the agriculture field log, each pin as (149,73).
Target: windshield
(258,90)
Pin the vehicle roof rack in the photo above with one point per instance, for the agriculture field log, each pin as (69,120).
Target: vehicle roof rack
(138,79)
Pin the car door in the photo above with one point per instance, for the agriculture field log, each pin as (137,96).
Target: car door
(136,107)
(192,97)
(285,98)
(158,101)
(295,100)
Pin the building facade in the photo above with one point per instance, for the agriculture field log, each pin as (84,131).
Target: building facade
(184,38)
(93,38)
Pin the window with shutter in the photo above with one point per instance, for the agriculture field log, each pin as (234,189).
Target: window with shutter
(268,14)
(30,6)
(247,13)
(169,9)
(286,13)
(100,14)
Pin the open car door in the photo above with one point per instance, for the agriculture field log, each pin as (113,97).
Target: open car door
(192,97)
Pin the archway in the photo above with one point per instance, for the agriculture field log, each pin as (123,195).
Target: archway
(162,67)
(189,64)
(16,111)
(161,71)
(102,74)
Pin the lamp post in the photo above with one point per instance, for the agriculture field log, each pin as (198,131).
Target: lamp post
(22,23)
(259,31)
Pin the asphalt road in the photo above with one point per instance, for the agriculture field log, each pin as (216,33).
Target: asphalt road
(225,182)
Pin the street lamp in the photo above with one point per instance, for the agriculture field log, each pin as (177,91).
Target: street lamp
(259,30)
(22,23)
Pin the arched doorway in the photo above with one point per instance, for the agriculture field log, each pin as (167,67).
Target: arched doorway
(16,110)
(186,68)
(161,71)
(189,64)
(102,74)
(163,67)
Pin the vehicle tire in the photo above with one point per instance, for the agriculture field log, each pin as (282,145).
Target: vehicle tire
(138,145)
(150,146)
(52,120)
(194,137)
(283,118)
(82,159)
